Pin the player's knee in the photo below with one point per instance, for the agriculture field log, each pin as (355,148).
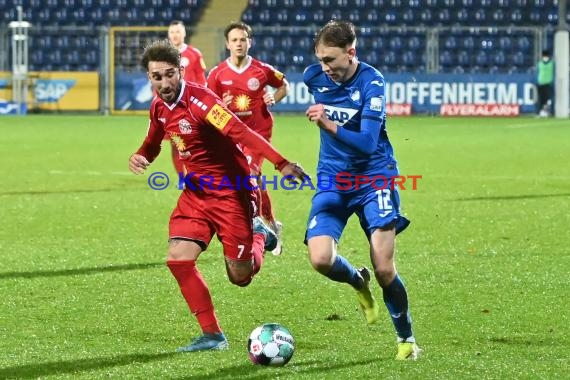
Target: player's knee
(241,281)
(385,274)
(321,263)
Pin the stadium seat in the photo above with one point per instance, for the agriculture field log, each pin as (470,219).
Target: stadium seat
(282,16)
(372,17)
(480,17)
(305,43)
(462,16)
(410,59)
(524,44)
(354,16)
(286,43)
(396,43)
(446,59)
(443,16)
(408,16)
(499,58)
(426,17)
(415,43)
(319,17)
(248,16)
(498,16)
(516,16)
(505,43)
(267,42)
(450,43)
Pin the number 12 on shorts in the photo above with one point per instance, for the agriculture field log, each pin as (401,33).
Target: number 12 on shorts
(384,202)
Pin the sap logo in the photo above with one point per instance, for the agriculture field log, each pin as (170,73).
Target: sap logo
(340,115)
(52,90)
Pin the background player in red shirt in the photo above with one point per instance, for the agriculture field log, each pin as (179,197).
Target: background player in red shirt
(241,82)
(194,68)
(208,137)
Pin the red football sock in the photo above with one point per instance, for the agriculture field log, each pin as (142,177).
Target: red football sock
(196,293)
(266,209)
(258,251)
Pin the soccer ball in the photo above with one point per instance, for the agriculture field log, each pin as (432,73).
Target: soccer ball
(270,344)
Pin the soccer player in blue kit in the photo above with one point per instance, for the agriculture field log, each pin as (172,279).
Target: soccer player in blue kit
(350,112)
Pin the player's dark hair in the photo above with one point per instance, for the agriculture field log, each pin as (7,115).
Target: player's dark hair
(160,51)
(238,25)
(336,33)
(176,22)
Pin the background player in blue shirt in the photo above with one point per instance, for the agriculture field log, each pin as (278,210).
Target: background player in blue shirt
(350,112)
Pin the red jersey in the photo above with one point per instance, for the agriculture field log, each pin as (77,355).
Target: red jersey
(247,85)
(194,66)
(207,136)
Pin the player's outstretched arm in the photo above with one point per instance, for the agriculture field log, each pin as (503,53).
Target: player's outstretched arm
(294,172)
(138,163)
(364,141)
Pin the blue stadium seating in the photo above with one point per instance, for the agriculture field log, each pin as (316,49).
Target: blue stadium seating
(403,50)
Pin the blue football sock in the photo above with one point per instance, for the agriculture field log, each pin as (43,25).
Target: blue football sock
(343,271)
(396,300)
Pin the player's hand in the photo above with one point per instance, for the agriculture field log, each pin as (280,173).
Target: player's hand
(138,164)
(269,99)
(227,97)
(316,112)
(294,172)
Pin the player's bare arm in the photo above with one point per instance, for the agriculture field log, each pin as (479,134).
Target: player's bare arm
(270,98)
(316,114)
(138,163)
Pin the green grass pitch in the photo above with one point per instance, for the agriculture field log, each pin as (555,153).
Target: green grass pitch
(85,292)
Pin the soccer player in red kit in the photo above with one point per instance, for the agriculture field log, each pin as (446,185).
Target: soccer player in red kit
(241,82)
(194,69)
(216,199)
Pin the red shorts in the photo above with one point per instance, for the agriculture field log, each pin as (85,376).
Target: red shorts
(229,215)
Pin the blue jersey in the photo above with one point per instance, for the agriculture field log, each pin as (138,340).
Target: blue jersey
(357,107)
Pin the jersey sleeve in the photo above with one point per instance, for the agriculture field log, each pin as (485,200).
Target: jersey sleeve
(220,117)
(150,147)
(275,77)
(213,83)
(373,113)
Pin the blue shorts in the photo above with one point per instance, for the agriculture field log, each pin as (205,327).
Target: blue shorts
(375,209)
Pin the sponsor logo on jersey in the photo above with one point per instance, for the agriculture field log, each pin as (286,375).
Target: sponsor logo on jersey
(218,116)
(279,75)
(178,142)
(355,96)
(185,127)
(253,84)
(340,115)
(227,82)
(322,89)
(377,83)
(313,222)
(242,102)
(376,103)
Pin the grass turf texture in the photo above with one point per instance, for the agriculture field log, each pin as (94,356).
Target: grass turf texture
(86,294)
